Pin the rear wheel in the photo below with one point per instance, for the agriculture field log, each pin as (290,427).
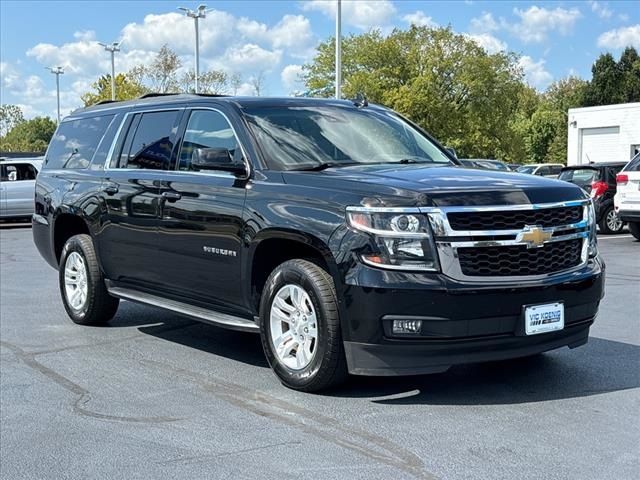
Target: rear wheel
(82,287)
(610,222)
(300,327)
(634,228)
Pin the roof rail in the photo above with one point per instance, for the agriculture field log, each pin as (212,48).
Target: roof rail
(156,94)
(210,95)
(102,102)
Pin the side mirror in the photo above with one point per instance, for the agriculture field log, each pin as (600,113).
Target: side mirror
(452,152)
(216,159)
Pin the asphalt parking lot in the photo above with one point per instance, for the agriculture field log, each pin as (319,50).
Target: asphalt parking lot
(157,396)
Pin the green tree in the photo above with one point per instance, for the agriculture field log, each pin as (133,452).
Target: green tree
(541,134)
(443,81)
(161,76)
(614,82)
(10,116)
(29,136)
(127,88)
(212,82)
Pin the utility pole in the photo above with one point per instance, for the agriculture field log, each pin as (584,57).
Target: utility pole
(113,48)
(338,51)
(201,12)
(57,71)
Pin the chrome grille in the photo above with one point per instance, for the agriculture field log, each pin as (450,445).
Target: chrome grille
(517,260)
(511,219)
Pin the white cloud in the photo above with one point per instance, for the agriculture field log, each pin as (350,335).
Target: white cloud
(535,73)
(248,57)
(601,9)
(484,23)
(291,77)
(86,35)
(420,19)
(362,14)
(621,37)
(536,23)
(487,41)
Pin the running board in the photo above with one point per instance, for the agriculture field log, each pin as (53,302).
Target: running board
(198,313)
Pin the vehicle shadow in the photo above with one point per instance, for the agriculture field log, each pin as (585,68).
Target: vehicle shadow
(601,366)
(240,346)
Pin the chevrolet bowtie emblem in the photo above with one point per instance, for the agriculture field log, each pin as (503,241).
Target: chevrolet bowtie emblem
(534,237)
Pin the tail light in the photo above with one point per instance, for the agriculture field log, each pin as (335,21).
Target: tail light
(598,188)
(622,178)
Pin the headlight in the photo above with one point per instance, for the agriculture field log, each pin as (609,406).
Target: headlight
(593,237)
(401,240)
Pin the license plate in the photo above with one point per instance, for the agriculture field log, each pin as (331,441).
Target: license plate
(543,318)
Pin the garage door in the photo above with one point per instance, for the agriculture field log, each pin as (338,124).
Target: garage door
(599,144)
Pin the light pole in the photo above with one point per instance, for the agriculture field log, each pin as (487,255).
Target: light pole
(57,71)
(113,48)
(201,12)
(338,51)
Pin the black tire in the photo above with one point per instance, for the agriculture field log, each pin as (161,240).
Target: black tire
(603,225)
(328,367)
(99,307)
(634,228)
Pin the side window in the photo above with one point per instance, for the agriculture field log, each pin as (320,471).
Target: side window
(207,129)
(556,169)
(542,171)
(75,142)
(149,146)
(18,172)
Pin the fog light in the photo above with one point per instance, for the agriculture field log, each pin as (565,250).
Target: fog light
(407,327)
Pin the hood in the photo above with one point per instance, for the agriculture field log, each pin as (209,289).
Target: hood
(429,185)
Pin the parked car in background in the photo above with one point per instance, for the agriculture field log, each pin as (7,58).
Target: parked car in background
(599,180)
(17,184)
(551,170)
(486,164)
(627,197)
(514,166)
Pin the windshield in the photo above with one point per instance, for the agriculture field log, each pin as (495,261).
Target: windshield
(311,136)
(527,169)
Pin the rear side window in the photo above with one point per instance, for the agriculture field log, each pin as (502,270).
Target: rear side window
(75,142)
(633,165)
(17,172)
(207,129)
(579,176)
(149,143)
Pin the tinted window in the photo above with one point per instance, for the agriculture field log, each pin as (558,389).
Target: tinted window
(527,169)
(308,136)
(75,142)
(207,129)
(556,169)
(633,165)
(543,171)
(149,146)
(17,172)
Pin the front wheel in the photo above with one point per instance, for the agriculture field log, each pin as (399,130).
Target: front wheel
(634,228)
(610,222)
(300,327)
(82,287)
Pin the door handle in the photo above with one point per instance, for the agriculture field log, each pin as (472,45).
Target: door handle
(171,196)
(111,189)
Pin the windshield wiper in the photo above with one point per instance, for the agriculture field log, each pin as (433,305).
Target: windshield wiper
(324,165)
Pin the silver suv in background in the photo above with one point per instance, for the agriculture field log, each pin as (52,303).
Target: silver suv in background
(550,170)
(17,185)
(627,197)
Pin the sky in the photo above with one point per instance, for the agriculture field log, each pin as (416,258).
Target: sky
(554,39)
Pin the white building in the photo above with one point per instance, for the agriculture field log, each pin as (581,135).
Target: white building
(608,133)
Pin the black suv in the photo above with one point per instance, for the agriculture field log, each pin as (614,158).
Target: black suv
(344,234)
(599,181)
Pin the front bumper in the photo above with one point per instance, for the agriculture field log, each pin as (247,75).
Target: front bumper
(462,322)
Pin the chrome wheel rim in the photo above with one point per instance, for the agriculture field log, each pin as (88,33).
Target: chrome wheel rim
(613,221)
(75,281)
(294,327)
